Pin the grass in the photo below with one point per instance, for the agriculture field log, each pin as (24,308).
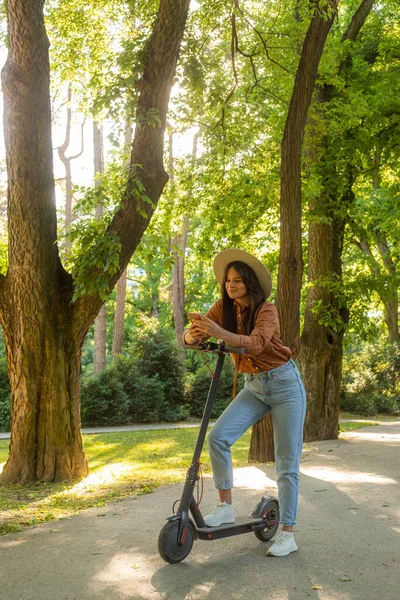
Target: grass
(121,465)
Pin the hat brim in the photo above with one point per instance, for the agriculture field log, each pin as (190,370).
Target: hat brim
(225,257)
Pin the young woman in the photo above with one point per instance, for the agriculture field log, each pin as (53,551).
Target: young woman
(242,317)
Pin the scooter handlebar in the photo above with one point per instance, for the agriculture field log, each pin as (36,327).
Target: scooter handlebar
(217,348)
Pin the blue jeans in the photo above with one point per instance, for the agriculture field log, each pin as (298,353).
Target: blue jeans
(282,392)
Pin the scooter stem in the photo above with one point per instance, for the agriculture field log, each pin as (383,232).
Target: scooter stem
(193,470)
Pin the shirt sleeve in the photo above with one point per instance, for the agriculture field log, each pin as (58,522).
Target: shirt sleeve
(266,324)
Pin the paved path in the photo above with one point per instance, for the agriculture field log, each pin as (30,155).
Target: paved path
(348,536)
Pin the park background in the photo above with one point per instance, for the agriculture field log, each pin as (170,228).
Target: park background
(227,134)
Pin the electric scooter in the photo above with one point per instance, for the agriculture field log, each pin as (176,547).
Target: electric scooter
(176,538)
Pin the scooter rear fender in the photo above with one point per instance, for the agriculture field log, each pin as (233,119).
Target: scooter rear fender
(260,509)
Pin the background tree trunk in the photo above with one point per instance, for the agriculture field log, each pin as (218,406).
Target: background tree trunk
(67,164)
(119,318)
(178,268)
(290,256)
(321,349)
(100,323)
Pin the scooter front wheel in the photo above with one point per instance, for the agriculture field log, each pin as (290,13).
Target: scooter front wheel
(168,546)
(271,515)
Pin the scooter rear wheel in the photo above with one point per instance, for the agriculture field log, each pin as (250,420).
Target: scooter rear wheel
(168,546)
(272,515)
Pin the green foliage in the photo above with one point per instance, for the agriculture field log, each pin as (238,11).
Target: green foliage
(5,396)
(3,257)
(199,382)
(146,386)
(371,380)
(158,355)
(330,311)
(104,401)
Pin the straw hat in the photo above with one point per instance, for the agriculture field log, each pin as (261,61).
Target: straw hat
(232,254)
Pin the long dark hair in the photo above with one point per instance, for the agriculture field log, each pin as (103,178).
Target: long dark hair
(255,292)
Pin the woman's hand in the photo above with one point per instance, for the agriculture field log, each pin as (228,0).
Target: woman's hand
(203,326)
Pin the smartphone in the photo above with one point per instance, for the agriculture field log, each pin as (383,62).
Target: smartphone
(194,316)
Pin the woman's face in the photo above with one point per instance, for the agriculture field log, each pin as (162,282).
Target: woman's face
(235,287)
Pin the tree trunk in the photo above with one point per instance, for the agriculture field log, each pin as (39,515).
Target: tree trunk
(42,348)
(44,331)
(119,318)
(321,348)
(261,449)
(67,164)
(46,442)
(321,345)
(100,323)
(290,256)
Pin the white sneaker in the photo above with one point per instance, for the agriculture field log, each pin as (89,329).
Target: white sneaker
(222,513)
(284,545)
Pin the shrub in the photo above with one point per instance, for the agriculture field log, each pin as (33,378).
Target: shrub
(5,397)
(199,384)
(146,386)
(104,401)
(5,413)
(371,380)
(158,355)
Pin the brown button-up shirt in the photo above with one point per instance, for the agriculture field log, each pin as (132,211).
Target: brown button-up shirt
(264,349)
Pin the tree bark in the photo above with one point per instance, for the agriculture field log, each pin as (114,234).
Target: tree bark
(321,345)
(290,256)
(43,330)
(262,448)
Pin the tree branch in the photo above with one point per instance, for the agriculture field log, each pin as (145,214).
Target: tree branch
(146,171)
(358,20)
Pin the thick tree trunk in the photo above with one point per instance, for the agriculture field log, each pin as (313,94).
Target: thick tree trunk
(391,306)
(321,350)
(321,345)
(46,442)
(43,353)
(290,256)
(44,331)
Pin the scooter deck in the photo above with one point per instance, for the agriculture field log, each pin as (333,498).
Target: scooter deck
(241,525)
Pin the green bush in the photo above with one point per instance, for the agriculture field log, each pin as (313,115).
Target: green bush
(104,401)
(5,413)
(5,397)
(371,380)
(199,383)
(158,355)
(146,386)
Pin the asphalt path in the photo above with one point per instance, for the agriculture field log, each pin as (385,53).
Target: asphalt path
(348,535)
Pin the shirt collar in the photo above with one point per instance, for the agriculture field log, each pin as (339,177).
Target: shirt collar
(238,308)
